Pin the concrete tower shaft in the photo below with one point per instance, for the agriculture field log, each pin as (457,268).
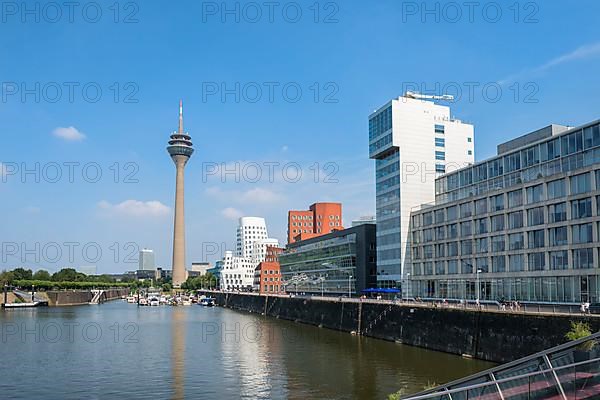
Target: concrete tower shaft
(180,149)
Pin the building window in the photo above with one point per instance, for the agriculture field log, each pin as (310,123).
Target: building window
(439,216)
(440,155)
(581,184)
(557,212)
(482,264)
(582,233)
(535,194)
(556,189)
(466,267)
(440,250)
(470,152)
(440,268)
(512,162)
(516,241)
(481,245)
(452,267)
(452,231)
(440,142)
(498,264)
(515,220)
(439,129)
(440,168)
(427,219)
(498,243)
(469,139)
(535,216)
(451,213)
(497,222)
(465,210)
(452,249)
(536,239)
(428,251)
(428,266)
(583,259)
(515,198)
(440,233)
(428,235)
(515,263)
(480,206)
(581,208)
(497,203)
(559,260)
(466,247)
(558,236)
(537,261)
(481,226)
(465,229)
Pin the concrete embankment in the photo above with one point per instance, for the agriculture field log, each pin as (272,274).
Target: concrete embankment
(492,336)
(79,297)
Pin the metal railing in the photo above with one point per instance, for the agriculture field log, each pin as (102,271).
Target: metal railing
(519,380)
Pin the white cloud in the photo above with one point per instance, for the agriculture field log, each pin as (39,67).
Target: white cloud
(70,134)
(580,53)
(136,208)
(232,213)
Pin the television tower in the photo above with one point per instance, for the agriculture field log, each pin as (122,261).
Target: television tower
(180,149)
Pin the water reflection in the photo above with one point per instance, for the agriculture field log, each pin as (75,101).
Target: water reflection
(178,328)
(213,353)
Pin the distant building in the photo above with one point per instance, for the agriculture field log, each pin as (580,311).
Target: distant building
(251,249)
(146,260)
(201,267)
(161,273)
(335,264)
(368,219)
(267,278)
(320,219)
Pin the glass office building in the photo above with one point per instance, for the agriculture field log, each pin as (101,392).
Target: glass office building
(523,225)
(337,263)
(412,141)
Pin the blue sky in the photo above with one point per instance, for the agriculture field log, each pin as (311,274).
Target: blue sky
(544,59)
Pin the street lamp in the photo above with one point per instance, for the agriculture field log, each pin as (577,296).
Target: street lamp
(478,288)
(349,286)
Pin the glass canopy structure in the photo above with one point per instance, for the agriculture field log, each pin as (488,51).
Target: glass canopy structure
(567,372)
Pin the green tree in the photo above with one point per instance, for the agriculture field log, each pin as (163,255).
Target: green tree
(68,275)
(22,273)
(41,275)
(6,277)
(578,330)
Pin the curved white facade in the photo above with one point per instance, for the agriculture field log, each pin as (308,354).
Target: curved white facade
(251,248)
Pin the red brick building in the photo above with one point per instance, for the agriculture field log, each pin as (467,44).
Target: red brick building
(320,219)
(267,276)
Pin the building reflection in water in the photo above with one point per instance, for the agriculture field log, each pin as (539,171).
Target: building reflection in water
(178,324)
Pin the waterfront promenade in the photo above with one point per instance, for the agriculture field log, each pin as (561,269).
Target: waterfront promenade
(488,306)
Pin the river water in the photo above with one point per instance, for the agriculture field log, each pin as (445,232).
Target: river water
(117,350)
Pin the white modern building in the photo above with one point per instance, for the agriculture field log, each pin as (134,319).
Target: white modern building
(251,247)
(146,260)
(413,141)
